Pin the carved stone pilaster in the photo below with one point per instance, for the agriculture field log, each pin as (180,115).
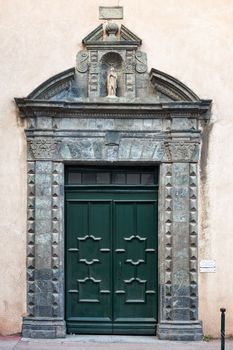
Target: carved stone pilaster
(193,241)
(130,73)
(45,251)
(168,242)
(31,239)
(94,74)
(57,239)
(178,318)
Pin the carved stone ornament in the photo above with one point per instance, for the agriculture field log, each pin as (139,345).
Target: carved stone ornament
(82,61)
(141,66)
(43,147)
(180,150)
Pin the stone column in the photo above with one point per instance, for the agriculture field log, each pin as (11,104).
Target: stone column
(178,253)
(45,251)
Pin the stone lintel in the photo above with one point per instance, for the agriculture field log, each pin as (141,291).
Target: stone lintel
(180,330)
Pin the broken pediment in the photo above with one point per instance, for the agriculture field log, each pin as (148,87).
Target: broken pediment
(111,60)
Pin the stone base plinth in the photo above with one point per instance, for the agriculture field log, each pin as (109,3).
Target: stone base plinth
(180,330)
(43,327)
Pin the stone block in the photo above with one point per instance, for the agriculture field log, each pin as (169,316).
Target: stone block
(180,331)
(43,298)
(181,302)
(44,122)
(110,12)
(43,310)
(43,327)
(43,274)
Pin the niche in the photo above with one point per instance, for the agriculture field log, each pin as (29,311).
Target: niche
(112,59)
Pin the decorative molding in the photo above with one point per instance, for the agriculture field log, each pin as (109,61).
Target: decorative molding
(57,232)
(95,36)
(93,74)
(130,62)
(30,108)
(168,242)
(31,239)
(53,85)
(141,62)
(171,87)
(43,148)
(167,92)
(82,61)
(129,36)
(180,150)
(193,240)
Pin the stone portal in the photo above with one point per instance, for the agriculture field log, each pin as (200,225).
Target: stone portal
(154,120)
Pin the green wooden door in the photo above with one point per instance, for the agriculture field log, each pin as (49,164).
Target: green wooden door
(111,257)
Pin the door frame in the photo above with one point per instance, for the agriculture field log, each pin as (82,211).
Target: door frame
(135,189)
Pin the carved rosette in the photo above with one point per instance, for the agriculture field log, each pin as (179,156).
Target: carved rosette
(180,150)
(43,148)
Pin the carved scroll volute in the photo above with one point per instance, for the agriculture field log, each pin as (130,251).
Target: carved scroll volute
(141,62)
(82,61)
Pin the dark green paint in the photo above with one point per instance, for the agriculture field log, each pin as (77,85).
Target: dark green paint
(111,259)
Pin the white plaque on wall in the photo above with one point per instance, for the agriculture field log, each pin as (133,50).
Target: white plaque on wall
(207,266)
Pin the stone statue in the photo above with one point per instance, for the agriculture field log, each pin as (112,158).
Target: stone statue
(112,82)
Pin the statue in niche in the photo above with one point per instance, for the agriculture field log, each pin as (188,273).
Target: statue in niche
(112,82)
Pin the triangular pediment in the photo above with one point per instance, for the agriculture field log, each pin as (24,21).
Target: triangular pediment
(127,35)
(95,36)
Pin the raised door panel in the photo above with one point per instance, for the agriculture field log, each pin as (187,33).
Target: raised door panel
(135,266)
(89,265)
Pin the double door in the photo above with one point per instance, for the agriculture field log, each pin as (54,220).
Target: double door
(111,259)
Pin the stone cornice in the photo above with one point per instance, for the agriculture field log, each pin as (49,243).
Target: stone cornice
(29,108)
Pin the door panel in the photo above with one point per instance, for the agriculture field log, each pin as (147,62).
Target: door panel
(135,259)
(88,287)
